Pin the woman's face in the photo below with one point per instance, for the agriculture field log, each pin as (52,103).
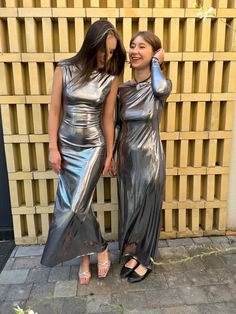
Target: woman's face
(140,53)
(111,43)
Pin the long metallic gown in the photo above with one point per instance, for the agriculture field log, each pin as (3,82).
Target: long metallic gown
(75,230)
(141,165)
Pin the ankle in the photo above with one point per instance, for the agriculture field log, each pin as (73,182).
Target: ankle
(131,263)
(103,254)
(85,261)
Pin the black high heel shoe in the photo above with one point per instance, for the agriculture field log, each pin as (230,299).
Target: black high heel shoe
(135,277)
(126,271)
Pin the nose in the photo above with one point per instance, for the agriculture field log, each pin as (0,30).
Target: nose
(133,50)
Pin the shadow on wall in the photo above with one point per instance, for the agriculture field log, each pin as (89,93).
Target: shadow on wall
(6,226)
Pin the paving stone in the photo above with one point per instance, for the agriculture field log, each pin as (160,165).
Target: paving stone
(162,243)
(229,259)
(232,271)
(205,294)
(232,238)
(219,239)
(213,261)
(219,308)
(65,289)
(202,240)
(165,267)
(180,242)
(3,292)
(211,257)
(232,288)
(38,275)
(147,311)
(73,275)
(41,291)
(100,304)
(202,249)
(104,286)
(162,298)
(195,264)
(8,306)
(220,293)
(14,251)
(177,279)
(32,250)
(185,309)
(59,273)
(173,252)
(210,277)
(27,262)
(9,263)
(74,305)
(48,306)
(19,292)
(14,276)
(193,295)
(130,300)
(230,247)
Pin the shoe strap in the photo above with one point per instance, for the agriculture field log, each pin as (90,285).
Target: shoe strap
(85,274)
(104,264)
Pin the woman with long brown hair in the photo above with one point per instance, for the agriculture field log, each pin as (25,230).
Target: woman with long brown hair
(80,146)
(141,164)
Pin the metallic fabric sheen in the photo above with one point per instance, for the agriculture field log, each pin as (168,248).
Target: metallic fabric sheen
(75,230)
(141,165)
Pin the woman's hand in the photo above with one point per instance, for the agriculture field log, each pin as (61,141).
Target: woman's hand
(159,54)
(113,168)
(106,165)
(55,160)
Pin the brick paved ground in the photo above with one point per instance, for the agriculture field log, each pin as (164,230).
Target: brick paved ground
(203,283)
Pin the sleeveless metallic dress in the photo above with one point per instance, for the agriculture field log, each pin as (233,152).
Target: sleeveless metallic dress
(141,165)
(75,230)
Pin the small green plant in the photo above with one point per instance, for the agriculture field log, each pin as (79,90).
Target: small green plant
(19,310)
(205,12)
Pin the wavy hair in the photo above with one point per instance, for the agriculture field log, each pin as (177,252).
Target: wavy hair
(95,40)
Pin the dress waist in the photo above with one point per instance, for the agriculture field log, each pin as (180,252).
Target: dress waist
(82,135)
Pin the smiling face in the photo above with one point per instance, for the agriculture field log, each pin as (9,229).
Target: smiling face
(102,56)
(140,53)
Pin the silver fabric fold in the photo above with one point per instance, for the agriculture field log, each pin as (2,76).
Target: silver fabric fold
(141,165)
(74,230)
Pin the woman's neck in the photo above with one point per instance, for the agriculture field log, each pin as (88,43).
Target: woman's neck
(141,75)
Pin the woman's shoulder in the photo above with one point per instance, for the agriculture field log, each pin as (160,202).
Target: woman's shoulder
(126,84)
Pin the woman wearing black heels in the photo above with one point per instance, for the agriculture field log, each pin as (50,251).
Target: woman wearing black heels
(140,157)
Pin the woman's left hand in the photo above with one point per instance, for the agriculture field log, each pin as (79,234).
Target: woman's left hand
(159,54)
(106,165)
(113,168)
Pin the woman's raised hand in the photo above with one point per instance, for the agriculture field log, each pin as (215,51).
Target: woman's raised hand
(159,54)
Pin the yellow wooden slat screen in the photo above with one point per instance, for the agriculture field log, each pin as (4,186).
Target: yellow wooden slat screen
(196,127)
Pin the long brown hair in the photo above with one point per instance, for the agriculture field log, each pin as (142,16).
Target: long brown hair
(95,40)
(150,38)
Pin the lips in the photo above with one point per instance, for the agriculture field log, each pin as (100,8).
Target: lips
(134,59)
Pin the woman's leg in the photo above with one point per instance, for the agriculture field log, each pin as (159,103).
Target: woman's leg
(104,263)
(84,271)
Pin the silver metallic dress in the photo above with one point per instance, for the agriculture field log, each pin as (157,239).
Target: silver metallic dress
(141,165)
(75,230)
